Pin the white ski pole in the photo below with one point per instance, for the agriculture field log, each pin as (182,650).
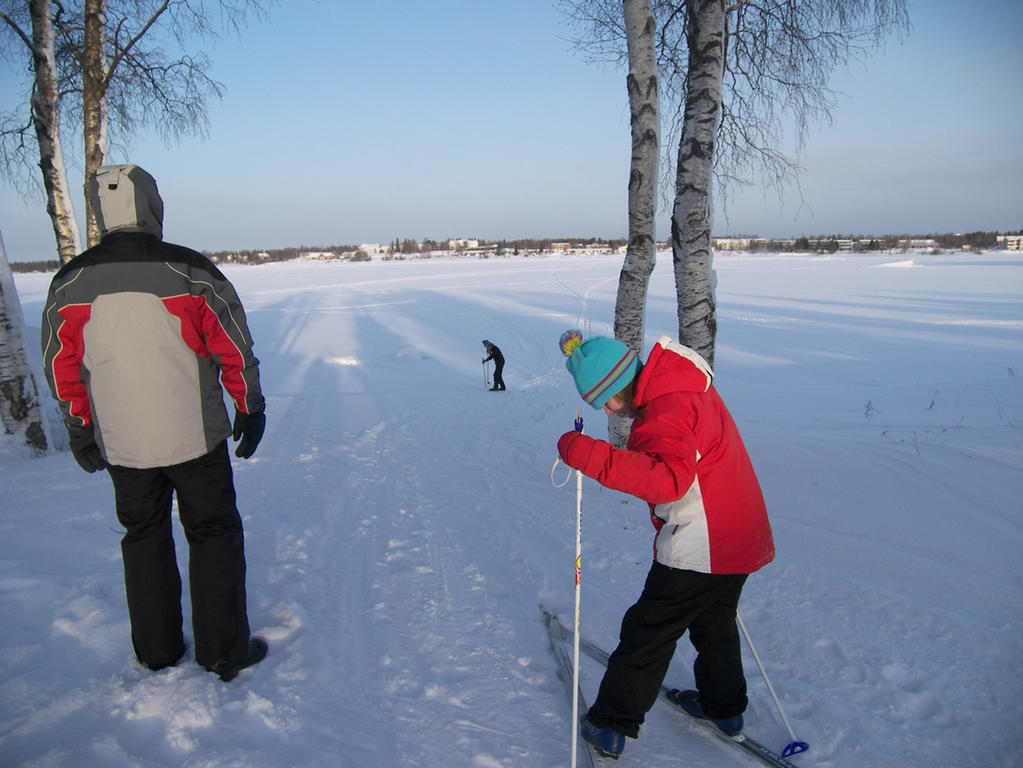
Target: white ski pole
(578,601)
(795,746)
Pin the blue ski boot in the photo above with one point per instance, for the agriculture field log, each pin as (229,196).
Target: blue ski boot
(690,702)
(606,742)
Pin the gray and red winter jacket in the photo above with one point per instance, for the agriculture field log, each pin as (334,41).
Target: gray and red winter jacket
(138,336)
(684,457)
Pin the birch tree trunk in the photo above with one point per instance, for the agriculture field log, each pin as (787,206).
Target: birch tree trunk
(19,397)
(94,102)
(641,254)
(691,216)
(46,120)
(736,86)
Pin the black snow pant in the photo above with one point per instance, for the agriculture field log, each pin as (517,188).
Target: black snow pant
(673,601)
(498,379)
(216,560)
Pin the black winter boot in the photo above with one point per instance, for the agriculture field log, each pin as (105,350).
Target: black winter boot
(228,672)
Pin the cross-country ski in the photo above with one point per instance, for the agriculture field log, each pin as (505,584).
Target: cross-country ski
(556,632)
(741,741)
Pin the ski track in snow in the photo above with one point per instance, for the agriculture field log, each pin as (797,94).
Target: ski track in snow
(401,527)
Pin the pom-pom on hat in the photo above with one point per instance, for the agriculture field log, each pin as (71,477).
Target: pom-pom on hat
(601,367)
(570,341)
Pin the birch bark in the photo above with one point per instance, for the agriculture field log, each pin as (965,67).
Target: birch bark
(641,254)
(19,397)
(94,103)
(46,121)
(691,215)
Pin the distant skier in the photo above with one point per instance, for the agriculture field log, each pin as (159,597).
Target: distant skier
(498,358)
(140,338)
(686,459)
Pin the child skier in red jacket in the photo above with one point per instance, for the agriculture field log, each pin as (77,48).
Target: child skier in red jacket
(686,459)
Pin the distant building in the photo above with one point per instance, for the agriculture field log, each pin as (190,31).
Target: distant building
(579,248)
(739,243)
(480,251)
(917,243)
(594,248)
(1010,242)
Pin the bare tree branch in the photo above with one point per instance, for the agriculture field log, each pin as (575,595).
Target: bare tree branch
(733,77)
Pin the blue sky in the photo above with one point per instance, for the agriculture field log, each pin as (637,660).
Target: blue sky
(362,122)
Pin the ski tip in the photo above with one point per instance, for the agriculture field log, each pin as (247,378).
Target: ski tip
(550,618)
(545,612)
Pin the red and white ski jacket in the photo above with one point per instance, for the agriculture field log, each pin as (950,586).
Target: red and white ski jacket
(138,336)
(686,459)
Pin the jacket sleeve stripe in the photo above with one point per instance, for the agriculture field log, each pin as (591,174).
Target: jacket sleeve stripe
(216,313)
(65,368)
(232,360)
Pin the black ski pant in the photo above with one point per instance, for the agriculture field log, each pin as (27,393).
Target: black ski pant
(216,560)
(673,601)
(498,379)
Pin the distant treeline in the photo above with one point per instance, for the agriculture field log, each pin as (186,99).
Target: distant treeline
(532,244)
(406,246)
(977,240)
(272,254)
(403,246)
(35,266)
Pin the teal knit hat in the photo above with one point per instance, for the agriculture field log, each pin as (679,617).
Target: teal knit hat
(601,367)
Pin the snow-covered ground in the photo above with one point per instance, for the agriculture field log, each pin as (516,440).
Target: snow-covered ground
(402,526)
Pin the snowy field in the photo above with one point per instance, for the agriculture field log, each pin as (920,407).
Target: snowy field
(401,526)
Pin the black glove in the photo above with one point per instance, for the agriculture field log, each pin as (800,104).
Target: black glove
(249,427)
(82,441)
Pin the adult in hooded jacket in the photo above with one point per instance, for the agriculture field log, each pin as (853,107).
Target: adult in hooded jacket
(686,459)
(140,339)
